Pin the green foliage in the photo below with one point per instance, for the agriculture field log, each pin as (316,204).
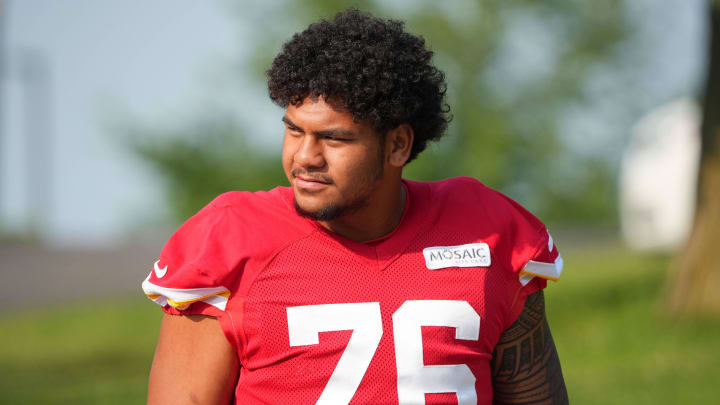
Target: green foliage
(615,345)
(513,67)
(205,160)
(506,115)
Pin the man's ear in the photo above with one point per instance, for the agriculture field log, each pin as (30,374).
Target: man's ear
(398,144)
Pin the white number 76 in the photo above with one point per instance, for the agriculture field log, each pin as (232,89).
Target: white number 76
(414,378)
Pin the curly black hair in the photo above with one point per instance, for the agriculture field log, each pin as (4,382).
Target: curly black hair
(380,73)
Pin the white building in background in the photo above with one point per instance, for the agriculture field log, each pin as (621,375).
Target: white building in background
(658,177)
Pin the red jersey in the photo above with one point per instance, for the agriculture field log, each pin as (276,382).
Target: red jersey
(411,318)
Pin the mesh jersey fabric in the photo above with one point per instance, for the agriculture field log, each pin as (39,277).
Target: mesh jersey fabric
(317,318)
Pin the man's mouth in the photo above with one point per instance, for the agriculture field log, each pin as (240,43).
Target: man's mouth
(309,182)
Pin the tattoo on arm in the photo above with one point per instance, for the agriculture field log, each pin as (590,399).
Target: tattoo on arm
(525,364)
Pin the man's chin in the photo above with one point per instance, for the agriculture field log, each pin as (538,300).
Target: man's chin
(326,213)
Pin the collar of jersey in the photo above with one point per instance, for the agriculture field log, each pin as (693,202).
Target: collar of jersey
(385,249)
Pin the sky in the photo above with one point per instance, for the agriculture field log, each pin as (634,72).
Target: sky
(111,63)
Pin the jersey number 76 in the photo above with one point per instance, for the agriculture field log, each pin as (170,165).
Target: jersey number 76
(414,378)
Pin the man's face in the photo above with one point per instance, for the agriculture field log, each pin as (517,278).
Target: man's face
(333,163)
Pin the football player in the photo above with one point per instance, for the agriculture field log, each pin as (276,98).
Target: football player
(354,285)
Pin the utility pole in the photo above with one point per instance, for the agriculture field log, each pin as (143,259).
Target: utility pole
(36,79)
(3,76)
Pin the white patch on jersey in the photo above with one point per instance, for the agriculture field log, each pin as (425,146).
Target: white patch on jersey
(470,255)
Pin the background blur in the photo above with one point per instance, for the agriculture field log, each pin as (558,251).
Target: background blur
(118,120)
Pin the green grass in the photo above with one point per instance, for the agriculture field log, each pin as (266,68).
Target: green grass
(80,354)
(615,344)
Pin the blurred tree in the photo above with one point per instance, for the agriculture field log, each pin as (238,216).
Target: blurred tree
(513,67)
(198,168)
(693,289)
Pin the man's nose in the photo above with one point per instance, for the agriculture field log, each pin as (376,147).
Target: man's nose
(310,152)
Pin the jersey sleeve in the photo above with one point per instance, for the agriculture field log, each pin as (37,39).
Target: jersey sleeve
(534,259)
(195,268)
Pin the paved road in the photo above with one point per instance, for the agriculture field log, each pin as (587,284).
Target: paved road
(38,276)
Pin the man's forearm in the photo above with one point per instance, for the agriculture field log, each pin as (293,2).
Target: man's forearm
(525,365)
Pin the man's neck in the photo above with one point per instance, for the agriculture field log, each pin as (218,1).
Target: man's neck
(379,218)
